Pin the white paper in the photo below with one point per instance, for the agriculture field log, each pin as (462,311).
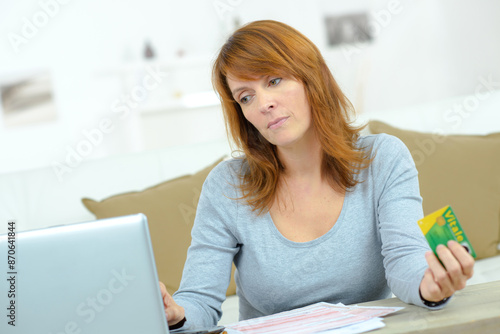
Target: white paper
(316,318)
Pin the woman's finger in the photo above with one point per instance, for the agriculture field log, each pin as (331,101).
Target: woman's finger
(465,260)
(164,294)
(439,273)
(452,267)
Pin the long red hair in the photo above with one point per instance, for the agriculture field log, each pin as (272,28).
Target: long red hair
(274,48)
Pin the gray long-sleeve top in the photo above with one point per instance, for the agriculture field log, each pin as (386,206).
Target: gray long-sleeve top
(375,246)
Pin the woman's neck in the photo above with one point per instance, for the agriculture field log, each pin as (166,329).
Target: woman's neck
(302,161)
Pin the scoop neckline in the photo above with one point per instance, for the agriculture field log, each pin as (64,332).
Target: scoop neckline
(319,239)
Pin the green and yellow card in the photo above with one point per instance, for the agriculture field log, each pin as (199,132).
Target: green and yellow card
(441,226)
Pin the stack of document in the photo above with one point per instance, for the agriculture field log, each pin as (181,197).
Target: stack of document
(316,318)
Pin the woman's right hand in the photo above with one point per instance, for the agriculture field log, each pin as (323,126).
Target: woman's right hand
(173,312)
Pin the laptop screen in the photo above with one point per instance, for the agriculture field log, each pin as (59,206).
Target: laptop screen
(93,277)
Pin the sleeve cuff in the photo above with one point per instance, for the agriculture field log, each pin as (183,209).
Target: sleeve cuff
(177,325)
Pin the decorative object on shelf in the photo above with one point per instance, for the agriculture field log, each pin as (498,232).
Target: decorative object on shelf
(149,52)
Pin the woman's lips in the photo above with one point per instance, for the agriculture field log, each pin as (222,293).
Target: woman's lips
(277,123)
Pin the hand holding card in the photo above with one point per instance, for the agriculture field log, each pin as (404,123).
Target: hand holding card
(441,226)
(451,265)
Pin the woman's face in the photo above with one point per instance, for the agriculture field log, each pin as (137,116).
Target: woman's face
(276,106)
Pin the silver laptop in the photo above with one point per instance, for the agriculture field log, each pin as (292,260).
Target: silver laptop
(94,277)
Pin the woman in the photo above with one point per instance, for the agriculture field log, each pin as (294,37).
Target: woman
(312,211)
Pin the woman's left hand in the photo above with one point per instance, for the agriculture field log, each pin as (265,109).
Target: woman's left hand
(441,282)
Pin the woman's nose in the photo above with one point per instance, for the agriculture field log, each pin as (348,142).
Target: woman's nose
(266,103)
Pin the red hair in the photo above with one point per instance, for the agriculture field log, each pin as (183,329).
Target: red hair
(274,48)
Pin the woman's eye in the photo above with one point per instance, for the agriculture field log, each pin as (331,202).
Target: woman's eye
(245,99)
(274,82)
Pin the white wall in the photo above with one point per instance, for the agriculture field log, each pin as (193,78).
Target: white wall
(433,50)
(424,51)
(89,46)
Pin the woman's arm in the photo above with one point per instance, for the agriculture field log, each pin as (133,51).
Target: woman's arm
(412,271)
(207,271)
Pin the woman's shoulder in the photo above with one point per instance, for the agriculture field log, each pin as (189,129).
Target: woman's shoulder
(229,165)
(381,144)
(227,172)
(387,153)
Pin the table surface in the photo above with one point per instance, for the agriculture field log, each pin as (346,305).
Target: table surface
(475,309)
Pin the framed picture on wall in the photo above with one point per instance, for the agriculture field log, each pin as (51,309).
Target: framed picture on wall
(26,98)
(348,29)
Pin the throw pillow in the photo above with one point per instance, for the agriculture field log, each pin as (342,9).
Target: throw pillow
(461,171)
(170,208)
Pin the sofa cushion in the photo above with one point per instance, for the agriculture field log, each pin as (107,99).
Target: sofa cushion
(170,208)
(461,171)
